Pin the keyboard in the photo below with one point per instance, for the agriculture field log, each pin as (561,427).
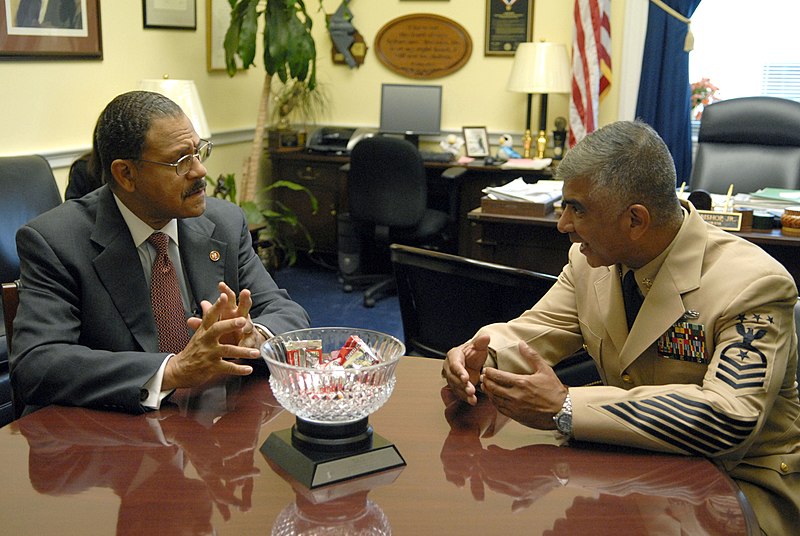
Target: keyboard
(432,156)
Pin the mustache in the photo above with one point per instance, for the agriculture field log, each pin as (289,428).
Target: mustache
(199,184)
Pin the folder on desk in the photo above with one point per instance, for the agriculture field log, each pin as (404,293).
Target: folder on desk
(778,194)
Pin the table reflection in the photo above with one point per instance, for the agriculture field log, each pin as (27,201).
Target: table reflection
(147,462)
(688,498)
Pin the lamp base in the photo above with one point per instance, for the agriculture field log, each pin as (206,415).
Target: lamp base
(318,461)
(541,144)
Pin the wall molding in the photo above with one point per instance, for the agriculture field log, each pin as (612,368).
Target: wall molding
(65,157)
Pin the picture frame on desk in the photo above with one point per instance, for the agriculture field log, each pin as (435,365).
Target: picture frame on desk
(476,142)
(30,35)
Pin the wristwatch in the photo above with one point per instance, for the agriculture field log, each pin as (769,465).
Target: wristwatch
(563,418)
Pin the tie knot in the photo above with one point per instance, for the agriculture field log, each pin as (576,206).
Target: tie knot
(160,241)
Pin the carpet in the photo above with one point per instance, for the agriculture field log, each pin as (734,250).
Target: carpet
(316,287)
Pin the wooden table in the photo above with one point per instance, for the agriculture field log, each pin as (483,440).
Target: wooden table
(534,242)
(196,468)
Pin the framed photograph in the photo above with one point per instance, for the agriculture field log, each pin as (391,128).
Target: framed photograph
(476,141)
(175,14)
(218,18)
(70,32)
(508,23)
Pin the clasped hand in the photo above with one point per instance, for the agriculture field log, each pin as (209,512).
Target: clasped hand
(224,332)
(531,399)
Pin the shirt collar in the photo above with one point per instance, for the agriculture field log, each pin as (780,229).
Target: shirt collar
(140,231)
(647,273)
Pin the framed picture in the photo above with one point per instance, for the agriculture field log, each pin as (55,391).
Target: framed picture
(476,142)
(70,32)
(218,18)
(508,23)
(175,14)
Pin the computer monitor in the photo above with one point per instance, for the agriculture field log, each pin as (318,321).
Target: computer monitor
(411,110)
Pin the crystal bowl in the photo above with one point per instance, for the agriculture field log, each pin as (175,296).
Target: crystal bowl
(334,394)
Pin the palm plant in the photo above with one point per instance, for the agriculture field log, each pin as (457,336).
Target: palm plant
(289,54)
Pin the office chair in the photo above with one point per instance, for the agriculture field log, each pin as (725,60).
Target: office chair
(445,299)
(27,189)
(750,142)
(388,202)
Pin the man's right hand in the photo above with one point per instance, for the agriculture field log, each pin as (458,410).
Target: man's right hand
(204,357)
(462,368)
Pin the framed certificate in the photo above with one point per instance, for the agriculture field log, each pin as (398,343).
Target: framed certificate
(508,23)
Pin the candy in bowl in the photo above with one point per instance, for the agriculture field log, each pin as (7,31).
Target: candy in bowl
(331,379)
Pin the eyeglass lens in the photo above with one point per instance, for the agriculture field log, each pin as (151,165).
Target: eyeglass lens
(202,154)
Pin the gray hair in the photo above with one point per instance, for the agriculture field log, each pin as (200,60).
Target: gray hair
(123,125)
(627,162)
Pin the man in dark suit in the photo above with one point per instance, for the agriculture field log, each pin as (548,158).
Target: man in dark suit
(86,333)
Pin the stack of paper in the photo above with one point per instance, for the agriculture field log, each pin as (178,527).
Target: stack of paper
(544,191)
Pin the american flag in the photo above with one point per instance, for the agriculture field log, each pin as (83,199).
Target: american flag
(591,65)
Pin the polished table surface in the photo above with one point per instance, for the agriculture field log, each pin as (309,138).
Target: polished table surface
(195,468)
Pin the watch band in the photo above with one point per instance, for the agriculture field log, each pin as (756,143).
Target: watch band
(563,418)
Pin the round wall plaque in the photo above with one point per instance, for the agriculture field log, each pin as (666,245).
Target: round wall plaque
(423,46)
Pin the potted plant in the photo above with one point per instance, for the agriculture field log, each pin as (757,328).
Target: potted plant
(289,54)
(273,224)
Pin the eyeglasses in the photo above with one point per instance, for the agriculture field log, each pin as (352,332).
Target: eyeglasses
(184,164)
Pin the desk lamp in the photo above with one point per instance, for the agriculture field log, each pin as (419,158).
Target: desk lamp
(184,94)
(540,68)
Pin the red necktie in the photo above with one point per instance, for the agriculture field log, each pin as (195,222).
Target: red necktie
(165,295)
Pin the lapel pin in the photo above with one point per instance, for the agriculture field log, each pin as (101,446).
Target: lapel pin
(647,282)
(214,256)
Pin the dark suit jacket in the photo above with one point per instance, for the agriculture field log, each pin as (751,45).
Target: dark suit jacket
(85,333)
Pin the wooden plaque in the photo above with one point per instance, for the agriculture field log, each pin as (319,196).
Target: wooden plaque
(423,46)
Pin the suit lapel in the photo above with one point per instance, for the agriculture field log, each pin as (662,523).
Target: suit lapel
(119,269)
(609,302)
(203,258)
(664,306)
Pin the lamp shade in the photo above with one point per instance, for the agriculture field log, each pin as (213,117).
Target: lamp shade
(540,68)
(184,94)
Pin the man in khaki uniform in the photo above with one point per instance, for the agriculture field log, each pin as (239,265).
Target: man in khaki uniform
(706,368)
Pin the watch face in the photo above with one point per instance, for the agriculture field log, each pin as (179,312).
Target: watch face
(564,423)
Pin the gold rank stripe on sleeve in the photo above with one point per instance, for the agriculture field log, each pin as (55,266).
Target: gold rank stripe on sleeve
(692,426)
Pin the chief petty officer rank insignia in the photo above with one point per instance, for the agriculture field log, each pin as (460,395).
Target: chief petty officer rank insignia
(742,365)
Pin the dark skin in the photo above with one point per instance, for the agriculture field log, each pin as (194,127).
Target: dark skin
(609,235)
(157,194)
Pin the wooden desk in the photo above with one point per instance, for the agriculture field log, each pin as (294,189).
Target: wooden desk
(534,243)
(197,469)
(321,174)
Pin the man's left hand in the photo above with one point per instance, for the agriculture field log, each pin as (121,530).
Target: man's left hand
(247,336)
(531,399)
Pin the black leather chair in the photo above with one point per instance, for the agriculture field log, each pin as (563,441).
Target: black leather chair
(750,142)
(27,189)
(445,299)
(388,202)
